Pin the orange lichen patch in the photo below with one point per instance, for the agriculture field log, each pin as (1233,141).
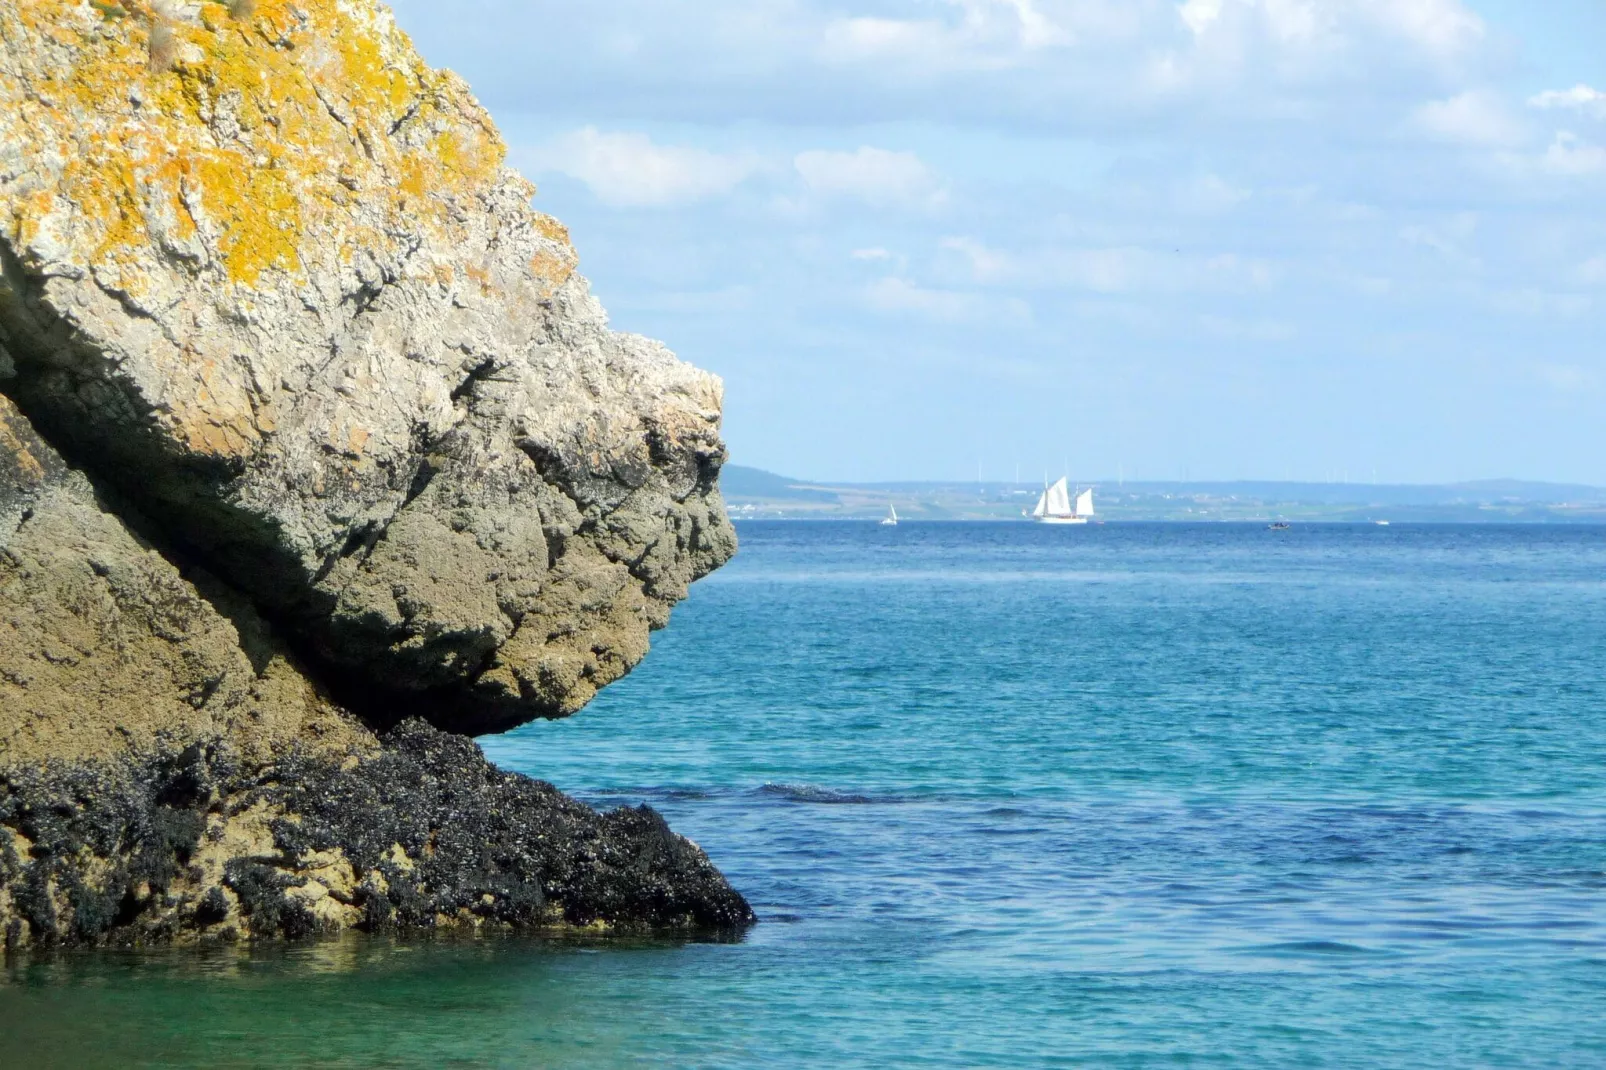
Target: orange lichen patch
(29,214)
(101,183)
(257,212)
(376,85)
(551,229)
(215,419)
(251,137)
(553,270)
(14,446)
(480,275)
(213,434)
(357,441)
(554,267)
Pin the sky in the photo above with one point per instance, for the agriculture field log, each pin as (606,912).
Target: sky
(1140,239)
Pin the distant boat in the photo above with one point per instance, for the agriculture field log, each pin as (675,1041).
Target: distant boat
(1055,507)
(891,519)
(1281,525)
(1381,523)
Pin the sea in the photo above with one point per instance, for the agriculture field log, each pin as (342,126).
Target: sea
(1131,795)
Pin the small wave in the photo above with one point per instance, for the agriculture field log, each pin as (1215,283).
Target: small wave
(808,793)
(1310,947)
(654,792)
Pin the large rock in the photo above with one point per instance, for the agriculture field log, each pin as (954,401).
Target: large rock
(267,274)
(310,434)
(169,772)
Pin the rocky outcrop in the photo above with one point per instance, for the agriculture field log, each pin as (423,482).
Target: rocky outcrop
(169,771)
(310,434)
(266,272)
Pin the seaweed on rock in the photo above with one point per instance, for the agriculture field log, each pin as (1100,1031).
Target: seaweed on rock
(424,835)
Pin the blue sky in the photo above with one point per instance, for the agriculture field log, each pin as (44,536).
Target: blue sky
(1163,238)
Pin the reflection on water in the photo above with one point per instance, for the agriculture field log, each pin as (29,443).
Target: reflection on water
(354,1001)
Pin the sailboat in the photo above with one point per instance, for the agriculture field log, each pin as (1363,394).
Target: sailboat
(891,519)
(1055,507)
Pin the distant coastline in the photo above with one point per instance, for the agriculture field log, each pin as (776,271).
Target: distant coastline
(754,494)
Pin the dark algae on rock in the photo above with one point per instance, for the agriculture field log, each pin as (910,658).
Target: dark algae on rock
(316,457)
(424,835)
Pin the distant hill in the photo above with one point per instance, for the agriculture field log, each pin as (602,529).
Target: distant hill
(754,493)
(738,483)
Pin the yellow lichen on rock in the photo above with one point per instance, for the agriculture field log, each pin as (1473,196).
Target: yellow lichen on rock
(251,136)
(275,275)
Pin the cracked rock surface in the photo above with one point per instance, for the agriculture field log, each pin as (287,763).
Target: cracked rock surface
(316,457)
(168,770)
(270,276)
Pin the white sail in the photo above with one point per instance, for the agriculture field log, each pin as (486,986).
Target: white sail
(892,513)
(1042,505)
(1058,499)
(1084,503)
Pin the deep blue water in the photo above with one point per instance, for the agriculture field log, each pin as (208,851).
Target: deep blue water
(1132,795)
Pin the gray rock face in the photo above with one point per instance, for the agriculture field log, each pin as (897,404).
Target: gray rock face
(106,648)
(310,432)
(169,773)
(272,281)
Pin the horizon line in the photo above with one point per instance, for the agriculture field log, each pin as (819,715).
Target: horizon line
(1483,481)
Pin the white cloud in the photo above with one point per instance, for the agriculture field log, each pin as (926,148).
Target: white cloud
(984,34)
(1061,64)
(1540,304)
(1451,239)
(1252,330)
(1280,50)
(1209,195)
(1579,98)
(873,254)
(986,265)
(897,295)
(1289,21)
(1443,27)
(874,175)
(727,301)
(1477,118)
(1200,15)
(1106,271)
(1111,270)
(1567,378)
(1572,157)
(629,170)
(1593,271)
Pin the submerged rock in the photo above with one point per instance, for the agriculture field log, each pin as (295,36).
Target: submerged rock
(309,429)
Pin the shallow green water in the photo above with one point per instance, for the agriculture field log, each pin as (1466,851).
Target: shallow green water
(1009,796)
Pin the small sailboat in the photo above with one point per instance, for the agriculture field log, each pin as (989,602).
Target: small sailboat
(891,519)
(1055,507)
(1279,525)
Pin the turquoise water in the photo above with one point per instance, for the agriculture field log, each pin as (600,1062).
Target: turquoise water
(1133,795)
